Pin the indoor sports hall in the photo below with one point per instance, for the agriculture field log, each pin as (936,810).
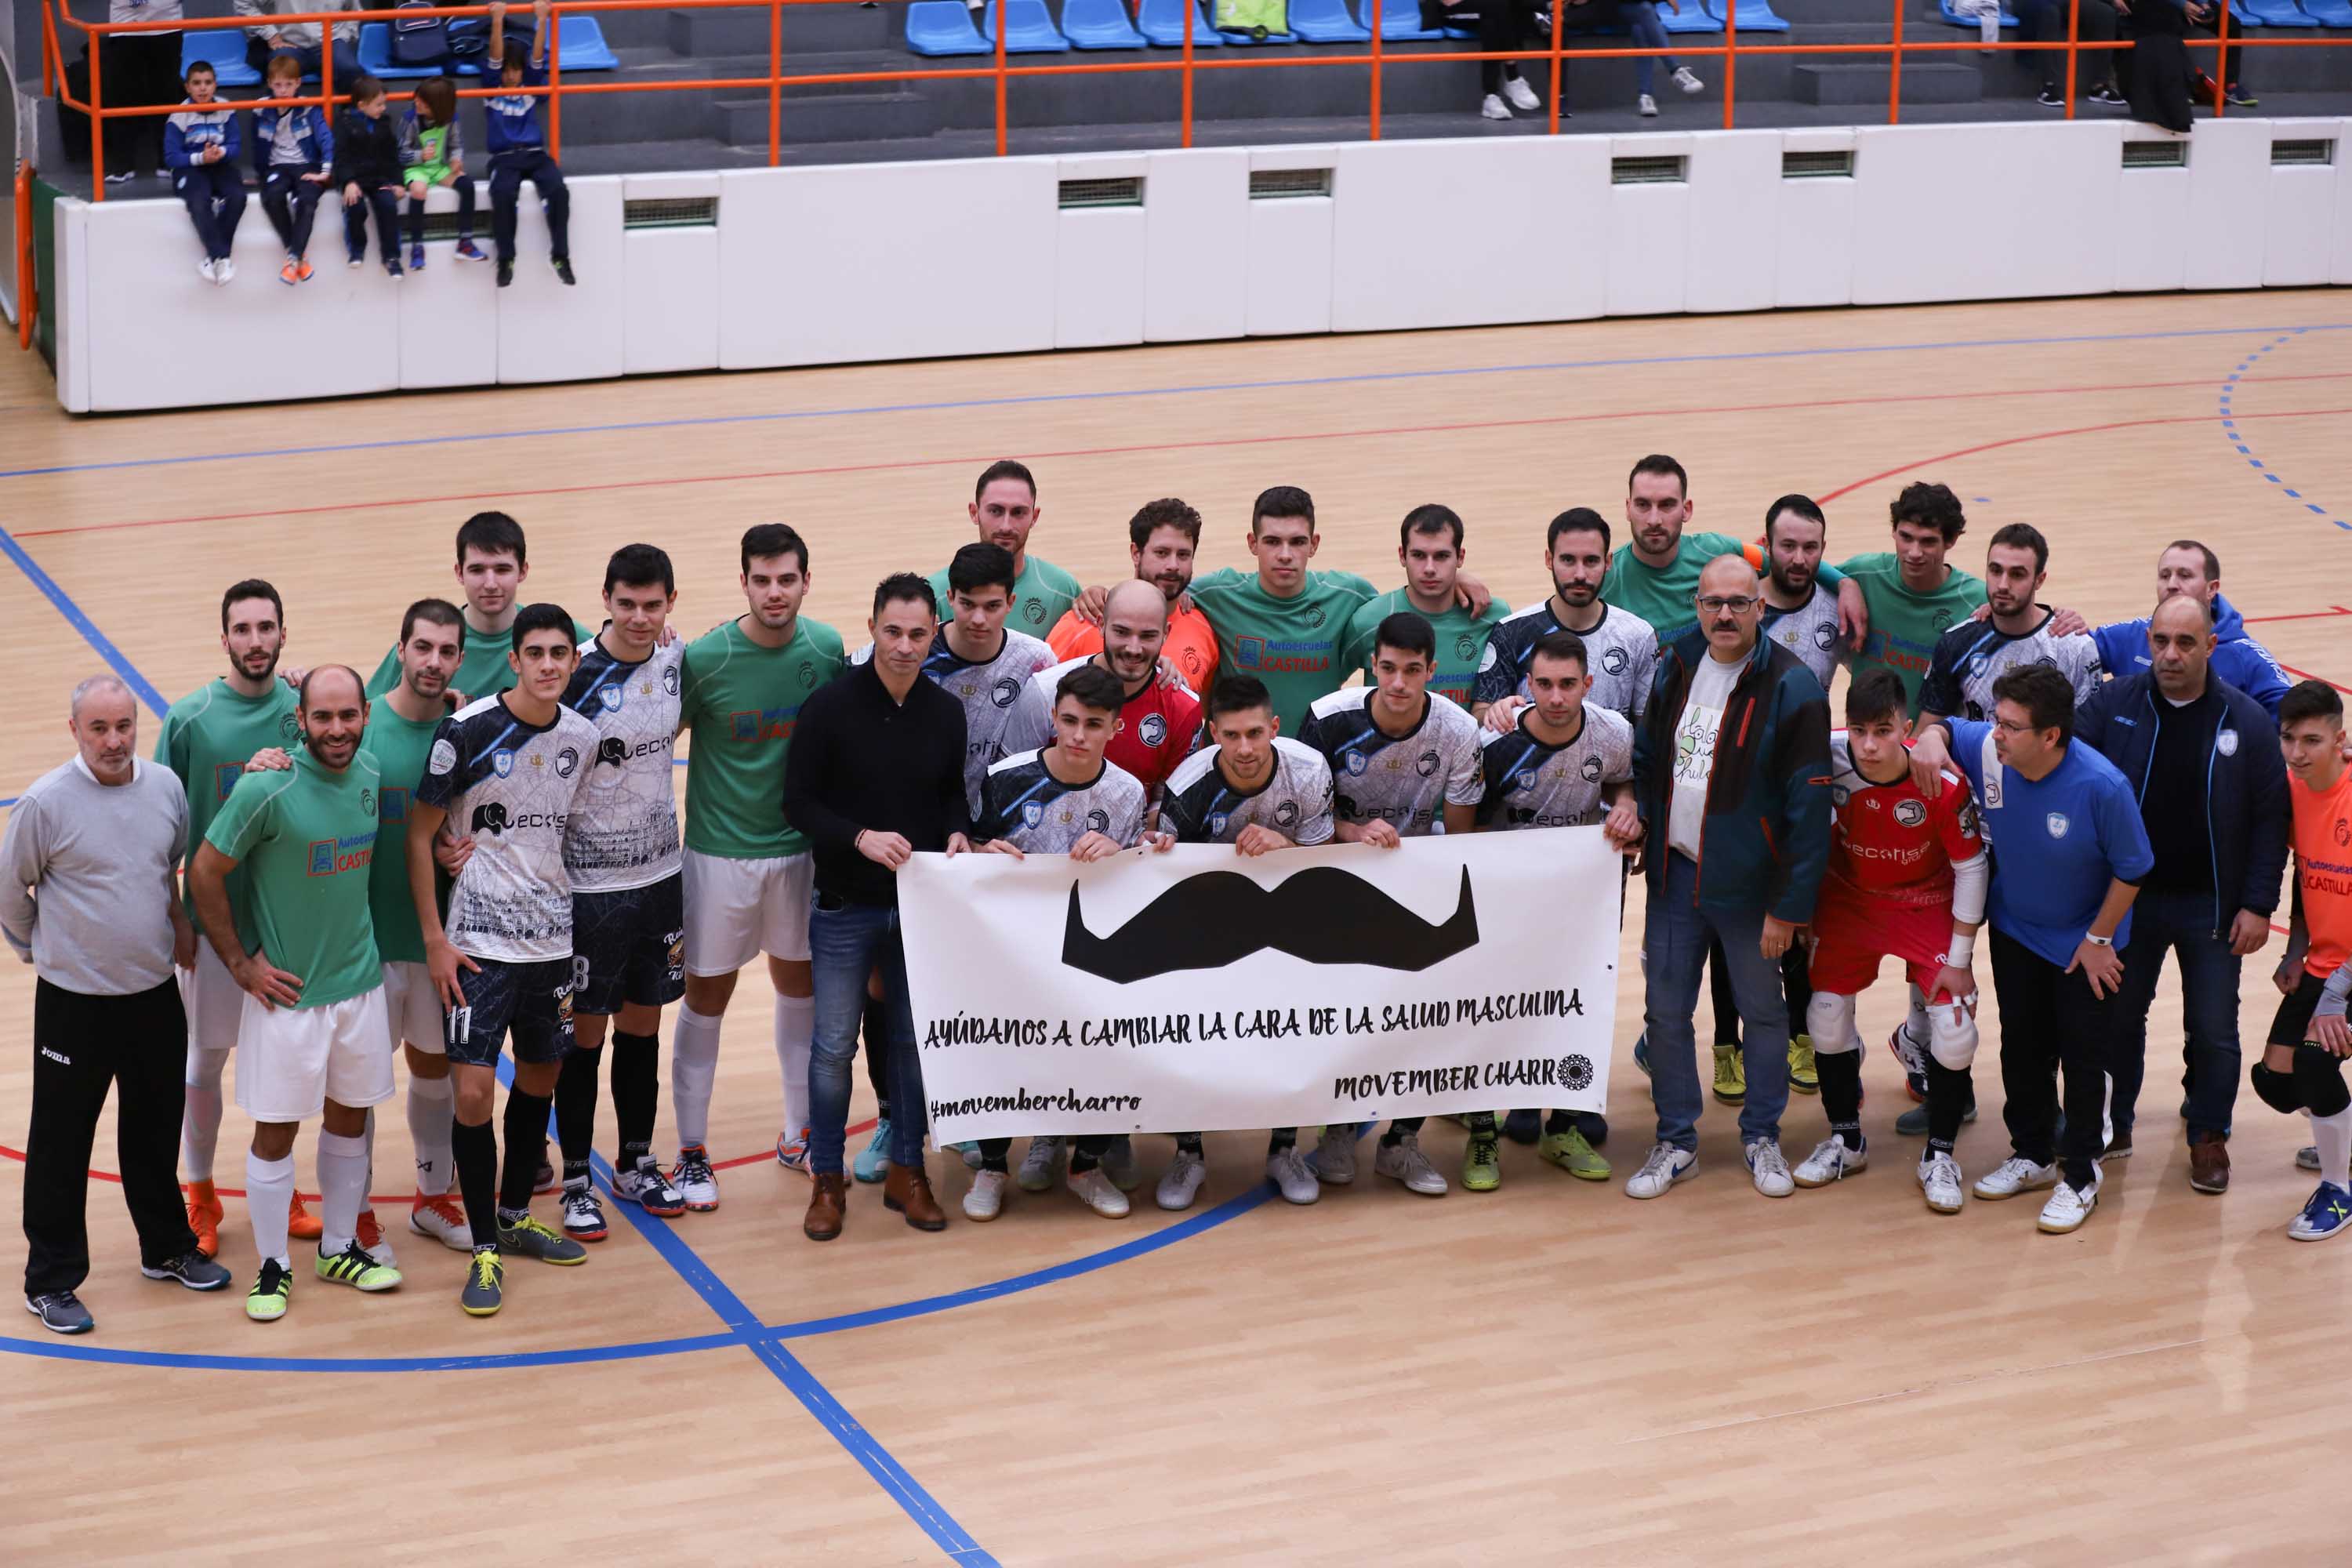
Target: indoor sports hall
(2119,334)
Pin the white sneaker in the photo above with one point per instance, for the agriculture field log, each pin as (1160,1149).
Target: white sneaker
(1646,106)
(2070,1205)
(1334,1154)
(2015,1175)
(1665,1166)
(1094,1189)
(584,1214)
(1940,1179)
(985,1200)
(224,270)
(1520,94)
(1770,1168)
(440,1217)
(1119,1165)
(1041,1165)
(207,270)
(1180,1183)
(1686,82)
(1494,109)
(695,1181)
(1287,1169)
(1404,1161)
(1831,1161)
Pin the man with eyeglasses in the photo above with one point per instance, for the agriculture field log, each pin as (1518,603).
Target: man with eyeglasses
(1731,767)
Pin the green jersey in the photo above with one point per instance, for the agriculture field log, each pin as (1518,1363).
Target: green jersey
(739,704)
(1664,595)
(1461,640)
(208,737)
(483,671)
(398,749)
(1292,645)
(1903,626)
(1040,595)
(305,838)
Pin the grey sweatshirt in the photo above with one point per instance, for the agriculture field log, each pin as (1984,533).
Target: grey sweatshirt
(99,860)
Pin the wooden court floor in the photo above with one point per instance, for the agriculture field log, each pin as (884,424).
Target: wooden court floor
(1546,1374)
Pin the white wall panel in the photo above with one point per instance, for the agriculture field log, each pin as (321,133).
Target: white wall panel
(1098,274)
(447,316)
(71,315)
(669,311)
(1984,211)
(1812,243)
(2340,263)
(1288,255)
(1734,199)
(2229,184)
(547,331)
(2151,214)
(2298,223)
(1196,222)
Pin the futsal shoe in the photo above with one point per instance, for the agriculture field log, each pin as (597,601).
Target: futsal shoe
(370,1232)
(695,1181)
(354,1268)
(2070,1205)
(273,1287)
(1119,1165)
(1180,1183)
(440,1216)
(1914,1058)
(61,1311)
(1041,1166)
(1335,1156)
(543,1179)
(650,1190)
(1665,1166)
(1094,1189)
(584,1213)
(467,252)
(191,1268)
(1287,1169)
(1770,1168)
(2307,1157)
(1940,1183)
(302,1223)
(528,1238)
(484,1289)
(2323,1216)
(1572,1153)
(867,1167)
(206,1214)
(1731,1075)
(1403,1161)
(2012,1176)
(985,1199)
(1482,1163)
(1804,1078)
(1831,1161)
(791,1152)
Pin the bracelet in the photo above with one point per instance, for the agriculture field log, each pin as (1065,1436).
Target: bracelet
(2095,940)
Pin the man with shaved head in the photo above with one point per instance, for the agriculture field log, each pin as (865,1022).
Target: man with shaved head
(1731,765)
(88,898)
(2213,793)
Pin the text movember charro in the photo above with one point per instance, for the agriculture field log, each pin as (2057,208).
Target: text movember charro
(1321,915)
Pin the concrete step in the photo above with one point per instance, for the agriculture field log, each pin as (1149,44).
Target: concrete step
(1869,84)
(868,116)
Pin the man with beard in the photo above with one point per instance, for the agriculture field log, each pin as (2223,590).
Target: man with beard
(208,737)
(491,568)
(1801,613)
(1622,646)
(1429,547)
(1161,538)
(1656,573)
(1973,655)
(1004,508)
(312,1038)
(1914,595)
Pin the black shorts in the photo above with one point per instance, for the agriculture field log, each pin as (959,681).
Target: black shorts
(629,946)
(531,1002)
(2291,1026)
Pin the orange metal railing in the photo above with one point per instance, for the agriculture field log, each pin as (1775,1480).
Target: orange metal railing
(1001,72)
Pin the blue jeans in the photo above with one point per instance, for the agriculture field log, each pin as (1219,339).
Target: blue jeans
(2181,923)
(846,943)
(1650,36)
(1675,936)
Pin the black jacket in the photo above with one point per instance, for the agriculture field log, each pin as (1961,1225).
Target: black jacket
(366,150)
(861,761)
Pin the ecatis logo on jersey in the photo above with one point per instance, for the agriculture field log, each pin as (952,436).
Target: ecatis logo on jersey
(1614,661)
(1427,764)
(669,681)
(1153,732)
(1590,767)
(1006,690)
(1826,635)
(1910,813)
(566,761)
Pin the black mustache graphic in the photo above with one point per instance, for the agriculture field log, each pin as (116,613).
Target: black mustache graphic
(1323,915)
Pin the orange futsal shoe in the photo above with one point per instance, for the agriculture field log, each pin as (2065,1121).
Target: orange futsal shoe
(370,1233)
(204,1216)
(302,1223)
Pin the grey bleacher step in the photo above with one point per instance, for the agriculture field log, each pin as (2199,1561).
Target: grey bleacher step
(807,29)
(1868,83)
(874,115)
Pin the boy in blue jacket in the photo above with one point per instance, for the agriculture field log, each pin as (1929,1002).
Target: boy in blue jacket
(291,150)
(519,150)
(200,145)
(367,170)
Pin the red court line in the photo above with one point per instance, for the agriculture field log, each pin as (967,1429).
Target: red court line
(389,1198)
(903,464)
(2309,676)
(2307,616)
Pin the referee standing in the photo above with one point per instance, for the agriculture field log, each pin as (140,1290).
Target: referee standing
(96,841)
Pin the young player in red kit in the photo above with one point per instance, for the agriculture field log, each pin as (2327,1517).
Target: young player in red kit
(1906,879)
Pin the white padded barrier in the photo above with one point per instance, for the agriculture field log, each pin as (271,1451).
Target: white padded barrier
(2298,223)
(551,332)
(2340,264)
(2151,216)
(670,311)
(2229,185)
(1290,246)
(447,315)
(71,312)
(1984,211)
(1649,233)
(1735,201)
(1812,225)
(1196,221)
(1098,259)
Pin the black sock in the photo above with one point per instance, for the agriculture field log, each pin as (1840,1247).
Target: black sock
(1950,1094)
(1403,1127)
(1482,1124)
(575,1111)
(474,1151)
(996,1154)
(526,1122)
(1558,1123)
(1281,1137)
(636,1093)
(1188,1142)
(1085,1154)
(1841,1076)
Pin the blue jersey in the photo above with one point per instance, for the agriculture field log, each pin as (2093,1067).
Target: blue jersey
(2056,842)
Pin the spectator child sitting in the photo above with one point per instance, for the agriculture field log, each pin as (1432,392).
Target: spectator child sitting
(291,150)
(200,146)
(518,150)
(431,155)
(367,170)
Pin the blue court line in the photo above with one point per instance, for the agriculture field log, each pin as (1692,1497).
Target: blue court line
(2237,437)
(140,685)
(1036,399)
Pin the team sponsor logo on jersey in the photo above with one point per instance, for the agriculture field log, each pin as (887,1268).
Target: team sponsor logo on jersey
(1427,764)
(765,723)
(443,758)
(1007,689)
(502,761)
(1465,646)
(1282,658)
(1942,618)
(1099,821)
(1314,615)
(1590,768)
(611,696)
(224,777)
(289,726)
(1153,732)
(2226,742)
(1486,659)
(1286,815)
(2344,830)
(1525,779)
(1826,635)
(491,815)
(367,800)
(566,760)
(1910,813)
(669,681)
(1969,816)
(1615,660)
(2057,824)
(1034,611)
(350,853)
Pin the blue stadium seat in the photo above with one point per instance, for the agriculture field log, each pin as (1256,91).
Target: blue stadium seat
(942,27)
(2331,13)
(1400,21)
(580,46)
(1753,16)
(1326,22)
(2271,14)
(376,56)
(1162,22)
(1098,25)
(1028,27)
(1244,40)
(1954,17)
(1693,18)
(223,48)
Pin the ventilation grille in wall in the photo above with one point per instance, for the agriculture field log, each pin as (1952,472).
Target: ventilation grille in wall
(670,212)
(1126,191)
(1817,165)
(1277,184)
(2156,154)
(1647,170)
(2305,151)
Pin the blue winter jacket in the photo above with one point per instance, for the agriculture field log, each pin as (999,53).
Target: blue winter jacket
(310,130)
(2237,658)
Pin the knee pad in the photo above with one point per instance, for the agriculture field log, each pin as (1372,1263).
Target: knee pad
(2277,1090)
(206,1068)
(1952,1035)
(2319,1081)
(1829,1019)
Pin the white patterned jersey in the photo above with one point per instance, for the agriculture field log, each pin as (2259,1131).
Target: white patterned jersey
(624,831)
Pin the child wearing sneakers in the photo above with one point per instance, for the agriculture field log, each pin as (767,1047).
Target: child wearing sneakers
(367,170)
(291,150)
(431,155)
(519,150)
(200,146)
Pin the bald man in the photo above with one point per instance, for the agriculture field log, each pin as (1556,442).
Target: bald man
(2213,794)
(88,898)
(1731,768)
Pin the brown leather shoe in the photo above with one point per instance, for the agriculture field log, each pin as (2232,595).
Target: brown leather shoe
(2209,1164)
(823,1221)
(908,1190)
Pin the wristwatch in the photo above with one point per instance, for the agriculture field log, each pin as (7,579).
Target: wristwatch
(2095,940)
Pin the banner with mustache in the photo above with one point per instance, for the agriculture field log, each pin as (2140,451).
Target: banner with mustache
(1199,989)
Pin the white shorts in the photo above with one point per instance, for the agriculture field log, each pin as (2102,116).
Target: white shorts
(213,999)
(412,1009)
(291,1060)
(738,910)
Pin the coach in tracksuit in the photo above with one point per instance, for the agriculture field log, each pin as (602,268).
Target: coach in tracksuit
(2199,755)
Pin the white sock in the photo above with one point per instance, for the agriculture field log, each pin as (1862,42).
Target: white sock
(269,1203)
(2333,1136)
(342,1187)
(200,1124)
(1916,1024)
(432,1108)
(795,1041)
(693,1068)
